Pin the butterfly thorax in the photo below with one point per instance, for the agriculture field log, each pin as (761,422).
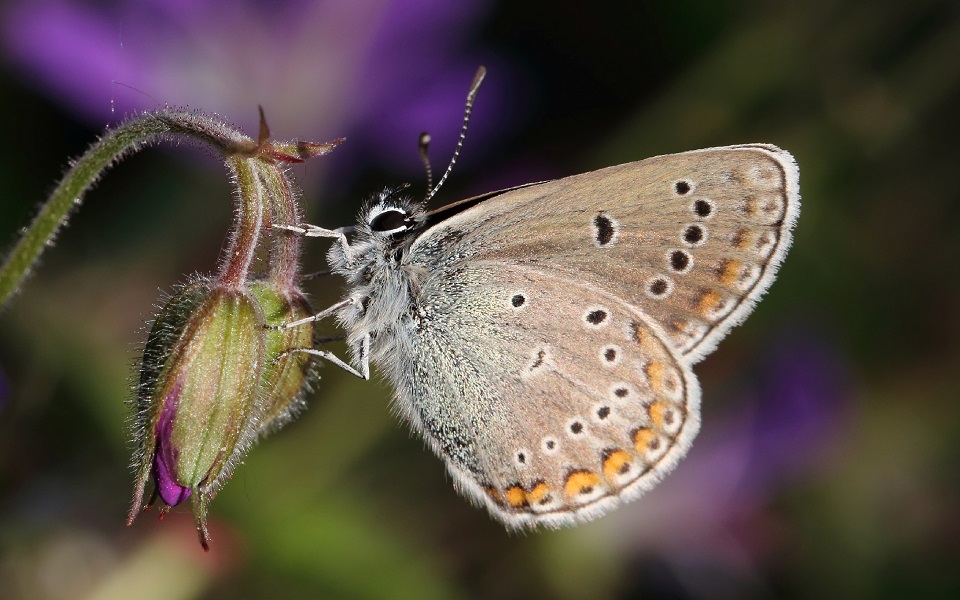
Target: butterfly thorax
(381,280)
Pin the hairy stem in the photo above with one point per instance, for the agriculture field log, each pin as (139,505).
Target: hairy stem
(128,137)
(284,210)
(248,220)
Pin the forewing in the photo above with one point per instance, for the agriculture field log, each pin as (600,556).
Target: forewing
(689,240)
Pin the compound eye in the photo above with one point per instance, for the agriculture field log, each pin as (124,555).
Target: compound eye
(389,220)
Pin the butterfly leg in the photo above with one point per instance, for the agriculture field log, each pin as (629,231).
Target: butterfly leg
(364,373)
(320,315)
(363,355)
(313,231)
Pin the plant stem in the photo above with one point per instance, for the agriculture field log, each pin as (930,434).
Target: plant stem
(248,219)
(128,137)
(284,210)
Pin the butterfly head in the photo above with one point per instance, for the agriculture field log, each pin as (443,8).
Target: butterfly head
(389,215)
(385,224)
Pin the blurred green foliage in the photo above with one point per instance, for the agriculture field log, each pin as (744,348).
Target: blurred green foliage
(343,504)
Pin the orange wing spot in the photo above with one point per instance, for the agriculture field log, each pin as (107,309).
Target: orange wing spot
(658,411)
(730,272)
(708,301)
(655,373)
(616,463)
(494,494)
(741,239)
(580,482)
(516,497)
(539,494)
(642,438)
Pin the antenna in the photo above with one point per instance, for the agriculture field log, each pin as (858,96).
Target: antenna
(471,96)
(423,146)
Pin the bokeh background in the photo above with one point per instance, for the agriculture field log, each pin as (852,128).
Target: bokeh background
(827,465)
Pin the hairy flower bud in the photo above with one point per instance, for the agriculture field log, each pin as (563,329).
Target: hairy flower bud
(217,370)
(287,372)
(200,383)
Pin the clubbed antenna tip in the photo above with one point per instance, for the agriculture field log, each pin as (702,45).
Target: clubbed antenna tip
(471,96)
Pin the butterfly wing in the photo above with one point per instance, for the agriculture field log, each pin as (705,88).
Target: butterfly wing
(548,359)
(693,239)
(550,401)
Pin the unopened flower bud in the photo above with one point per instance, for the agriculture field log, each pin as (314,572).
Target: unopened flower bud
(287,372)
(197,399)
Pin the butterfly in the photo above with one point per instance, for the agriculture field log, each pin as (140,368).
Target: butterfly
(541,339)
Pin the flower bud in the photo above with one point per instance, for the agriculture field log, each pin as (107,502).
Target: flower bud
(287,372)
(197,399)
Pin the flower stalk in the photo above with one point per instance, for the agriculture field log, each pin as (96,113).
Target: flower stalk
(84,172)
(215,373)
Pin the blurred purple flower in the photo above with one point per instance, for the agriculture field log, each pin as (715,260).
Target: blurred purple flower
(788,422)
(800,407)
(378,72)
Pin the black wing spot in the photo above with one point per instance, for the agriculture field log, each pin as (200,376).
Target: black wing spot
(604,230)
(693,234)
(538,361)
(518,300)
(682,187)
(595,317)
(679,260)
(659,287)
(702,208)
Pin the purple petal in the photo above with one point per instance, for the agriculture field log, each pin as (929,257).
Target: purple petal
(165,456)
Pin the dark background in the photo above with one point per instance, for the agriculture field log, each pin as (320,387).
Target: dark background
(827,463)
